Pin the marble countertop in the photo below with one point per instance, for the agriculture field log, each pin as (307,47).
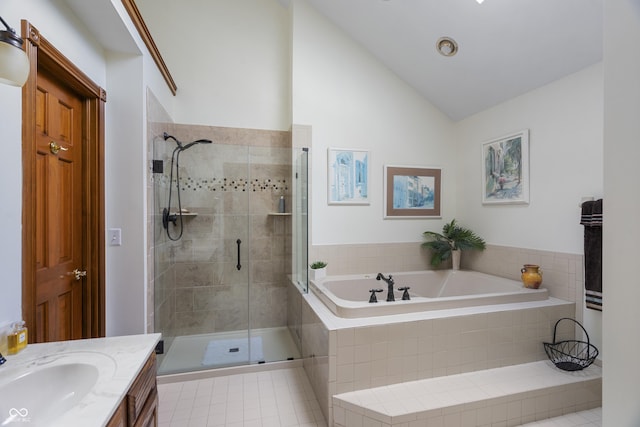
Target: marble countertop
(118,361)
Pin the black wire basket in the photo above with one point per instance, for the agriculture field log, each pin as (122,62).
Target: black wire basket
(571,355)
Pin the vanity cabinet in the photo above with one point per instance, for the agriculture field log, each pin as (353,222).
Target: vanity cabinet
(119,419)
(139,408)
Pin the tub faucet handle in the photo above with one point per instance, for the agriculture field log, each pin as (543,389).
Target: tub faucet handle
(405,294)
(373,297)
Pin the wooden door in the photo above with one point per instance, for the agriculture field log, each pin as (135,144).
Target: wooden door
(59,263)
(63,196)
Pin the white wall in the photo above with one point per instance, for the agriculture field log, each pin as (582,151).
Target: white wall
(124,195)
(230,60)
(352,101)
(11,195)
(565,125)
(126,163)
(564,119)
(621,379)
(128,77)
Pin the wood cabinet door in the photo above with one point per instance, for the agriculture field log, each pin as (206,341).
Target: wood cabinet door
(119,419)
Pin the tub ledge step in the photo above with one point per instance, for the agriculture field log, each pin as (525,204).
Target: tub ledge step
(510,395)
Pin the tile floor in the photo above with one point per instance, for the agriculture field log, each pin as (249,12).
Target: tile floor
(279,398)
(590,418)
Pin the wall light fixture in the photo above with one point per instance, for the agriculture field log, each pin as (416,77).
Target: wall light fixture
(14,63)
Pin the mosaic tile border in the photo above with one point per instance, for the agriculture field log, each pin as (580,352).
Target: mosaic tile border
(225,184)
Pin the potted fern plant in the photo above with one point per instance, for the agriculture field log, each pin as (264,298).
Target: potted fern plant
(451,242)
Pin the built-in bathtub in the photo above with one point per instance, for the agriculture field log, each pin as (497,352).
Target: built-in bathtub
(348,296)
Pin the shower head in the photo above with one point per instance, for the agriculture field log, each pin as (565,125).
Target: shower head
(184,147)
(199,141)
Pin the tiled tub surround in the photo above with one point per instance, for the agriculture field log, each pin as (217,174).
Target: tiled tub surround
(343,355)
(562,272)
(348,295)
(232,186)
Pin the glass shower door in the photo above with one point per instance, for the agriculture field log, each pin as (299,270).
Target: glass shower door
(221,289)
(270,230)
(201,280)
(224,246)
(301,220)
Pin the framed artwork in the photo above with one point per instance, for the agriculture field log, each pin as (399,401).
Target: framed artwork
(505,169)
(412,192)
(348,177)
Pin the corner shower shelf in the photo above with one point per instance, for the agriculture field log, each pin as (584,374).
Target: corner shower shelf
(279,214)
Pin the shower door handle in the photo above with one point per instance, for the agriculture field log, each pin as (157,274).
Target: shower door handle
(239,266)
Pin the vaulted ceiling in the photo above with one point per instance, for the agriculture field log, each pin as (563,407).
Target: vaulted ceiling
(506,47)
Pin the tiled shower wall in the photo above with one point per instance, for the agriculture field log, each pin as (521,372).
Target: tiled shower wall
(233,187)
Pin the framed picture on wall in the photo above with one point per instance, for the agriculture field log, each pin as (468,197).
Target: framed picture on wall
(505,169)
(412,192)
(348,177)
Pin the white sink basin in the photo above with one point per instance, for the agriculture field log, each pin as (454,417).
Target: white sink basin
(37,397)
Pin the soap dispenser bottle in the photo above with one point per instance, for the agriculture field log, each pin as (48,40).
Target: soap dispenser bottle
(17,338)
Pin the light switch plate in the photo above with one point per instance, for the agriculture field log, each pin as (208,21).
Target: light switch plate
(114,236)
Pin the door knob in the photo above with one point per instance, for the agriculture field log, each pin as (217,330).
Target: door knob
(54,147)
(79,273)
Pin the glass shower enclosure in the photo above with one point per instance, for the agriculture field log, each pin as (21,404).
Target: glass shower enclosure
(220,290)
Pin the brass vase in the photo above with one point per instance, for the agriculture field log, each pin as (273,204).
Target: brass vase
(531,276)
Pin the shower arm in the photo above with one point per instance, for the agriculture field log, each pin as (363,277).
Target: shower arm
(167,136)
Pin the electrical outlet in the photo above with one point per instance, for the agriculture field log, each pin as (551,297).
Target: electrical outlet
(114,235)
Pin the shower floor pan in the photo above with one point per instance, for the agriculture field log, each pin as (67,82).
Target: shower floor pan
(187,352)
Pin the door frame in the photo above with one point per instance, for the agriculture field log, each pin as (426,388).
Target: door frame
(43,55)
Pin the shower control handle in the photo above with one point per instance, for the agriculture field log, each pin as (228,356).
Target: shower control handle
(239,266)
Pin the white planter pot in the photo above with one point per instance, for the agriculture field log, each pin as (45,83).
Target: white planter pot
(455,259)
(318,274)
